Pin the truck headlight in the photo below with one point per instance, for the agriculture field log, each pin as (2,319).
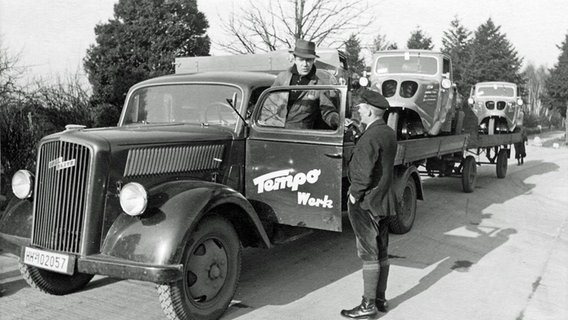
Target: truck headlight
(133,199)
(22,184)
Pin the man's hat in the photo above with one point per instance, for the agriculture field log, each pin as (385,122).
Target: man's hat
(375,99)
(305,49)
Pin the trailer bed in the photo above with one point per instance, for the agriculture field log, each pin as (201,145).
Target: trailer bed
(410,151)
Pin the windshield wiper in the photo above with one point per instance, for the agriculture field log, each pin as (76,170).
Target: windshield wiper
(234,100)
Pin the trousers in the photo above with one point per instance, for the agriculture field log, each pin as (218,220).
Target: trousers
(372,234)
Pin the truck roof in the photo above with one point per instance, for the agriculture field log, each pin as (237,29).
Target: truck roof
(410,51)
(241,78)
(498,83)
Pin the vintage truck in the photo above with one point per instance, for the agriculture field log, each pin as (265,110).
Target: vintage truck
(497,105)
(419,87)
(191,174)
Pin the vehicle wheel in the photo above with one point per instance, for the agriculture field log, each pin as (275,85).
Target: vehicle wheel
(211,270)
(469,174)
(406,210)
(52,282)
(501,167)
(491,126)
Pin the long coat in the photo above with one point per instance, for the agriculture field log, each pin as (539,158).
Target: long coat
(305,110)
(371,169)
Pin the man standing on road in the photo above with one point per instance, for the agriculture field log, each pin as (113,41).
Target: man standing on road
(303,107)
(371,201)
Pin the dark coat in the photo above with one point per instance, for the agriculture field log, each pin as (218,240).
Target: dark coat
(305,110)
(371,169)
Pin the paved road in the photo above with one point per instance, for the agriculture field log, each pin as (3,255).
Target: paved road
(498,253)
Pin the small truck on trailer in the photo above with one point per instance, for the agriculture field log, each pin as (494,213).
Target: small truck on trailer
(193,172)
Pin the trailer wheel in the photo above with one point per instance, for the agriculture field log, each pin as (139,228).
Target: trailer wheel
(211,270)
(405,210)
(469,174)
(52,282)
(501,167)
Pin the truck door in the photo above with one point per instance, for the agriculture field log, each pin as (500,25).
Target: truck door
(294,171)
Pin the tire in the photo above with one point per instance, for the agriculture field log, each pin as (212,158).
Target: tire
(501,167)
(406,210)
(211,270)
(469,174)
(491,126)
(52,282)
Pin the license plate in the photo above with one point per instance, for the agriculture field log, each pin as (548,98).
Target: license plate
(58,262)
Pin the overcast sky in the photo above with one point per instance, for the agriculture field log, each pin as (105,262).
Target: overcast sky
(51,36)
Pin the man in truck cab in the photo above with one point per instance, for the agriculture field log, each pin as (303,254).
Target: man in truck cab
(371,201)
(304,109)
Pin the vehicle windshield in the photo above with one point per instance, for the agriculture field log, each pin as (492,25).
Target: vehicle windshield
(407,65)
(184,103)
(495,91)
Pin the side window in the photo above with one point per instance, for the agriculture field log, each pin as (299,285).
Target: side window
(255,94)
(311,109)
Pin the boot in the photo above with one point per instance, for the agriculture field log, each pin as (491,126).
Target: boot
(381,305)
(365,309)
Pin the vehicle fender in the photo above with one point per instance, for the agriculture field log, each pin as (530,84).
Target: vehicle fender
(158,236)
(401,174)
(16,225)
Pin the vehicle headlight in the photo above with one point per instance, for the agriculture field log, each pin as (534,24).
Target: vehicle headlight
(133,199)
(363,82)
(520,102)
(446,83)
(23,184)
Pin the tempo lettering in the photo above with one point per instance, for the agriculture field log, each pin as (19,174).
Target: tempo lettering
(282,179)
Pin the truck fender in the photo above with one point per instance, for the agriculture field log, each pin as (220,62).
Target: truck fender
(16,225)
(401,175)
(157,237)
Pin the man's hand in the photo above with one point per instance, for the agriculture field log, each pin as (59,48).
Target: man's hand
(348,122)
(352,199)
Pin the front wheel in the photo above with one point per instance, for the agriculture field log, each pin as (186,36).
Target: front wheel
(469,174)
(211,270)
(501,167)
(406,210)
(53,282)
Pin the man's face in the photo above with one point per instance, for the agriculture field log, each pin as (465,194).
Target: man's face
(364,112)
(303,65)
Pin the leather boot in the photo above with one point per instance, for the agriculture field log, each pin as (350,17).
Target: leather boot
(381,305)
(365,309)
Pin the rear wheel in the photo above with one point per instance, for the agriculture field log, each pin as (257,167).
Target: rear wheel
(406,211)
(501,167)
(211,270)
(469,174)
(53,282)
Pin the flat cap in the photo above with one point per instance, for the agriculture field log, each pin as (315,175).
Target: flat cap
(375,99)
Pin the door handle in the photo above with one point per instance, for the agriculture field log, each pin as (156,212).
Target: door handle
(334,155)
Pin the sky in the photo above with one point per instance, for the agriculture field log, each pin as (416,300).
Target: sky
(51,37)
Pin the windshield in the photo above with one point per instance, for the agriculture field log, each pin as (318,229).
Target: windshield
(184,103)
(495,91)
(407,65)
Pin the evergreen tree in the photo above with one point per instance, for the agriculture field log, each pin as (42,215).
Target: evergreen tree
(353,49)
(557,83)
(455,43)
(419,40)
(491,57)
(380,43)
(141,42)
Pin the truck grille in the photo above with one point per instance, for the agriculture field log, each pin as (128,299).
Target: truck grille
(62,176)
(180,159)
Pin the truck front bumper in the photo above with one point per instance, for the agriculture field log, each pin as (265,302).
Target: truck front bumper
(120,268)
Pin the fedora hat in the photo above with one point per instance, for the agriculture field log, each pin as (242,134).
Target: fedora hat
(305,49)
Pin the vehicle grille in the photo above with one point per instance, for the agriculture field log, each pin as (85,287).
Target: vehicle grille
(501,105)
(490,105)
(408,89)
(62,176)
(160,160)
(389,88)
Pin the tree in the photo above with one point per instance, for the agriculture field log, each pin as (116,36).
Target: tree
(263,26)
(557,84)
(380,43)
(419,40)
(491,57)
(535,88)
(455,43)
(141,42)
(353,49)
